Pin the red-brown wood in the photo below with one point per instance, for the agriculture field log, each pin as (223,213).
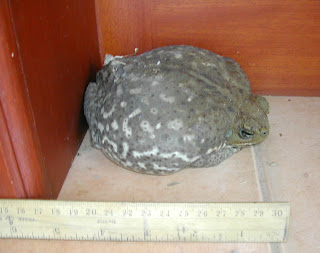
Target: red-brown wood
(123,25)
(17,122)
(276,42)
(60,55)
(11,184)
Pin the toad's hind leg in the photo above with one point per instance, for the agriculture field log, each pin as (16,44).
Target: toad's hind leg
(214,158)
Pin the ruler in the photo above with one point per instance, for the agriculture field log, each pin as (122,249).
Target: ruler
(144,221)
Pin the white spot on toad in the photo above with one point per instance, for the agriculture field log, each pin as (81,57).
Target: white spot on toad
(157,167)
(135,113)
(146,127)
(114,125)
(126,129)
(178,155)
(154,83)
(123,104)
(166,98)
(155,150)
(177,54)
(209,64)
(125,149)
(175,124)
(108,114)
(113,144)
(188,137)
(137,154)
(209,151)
(100,127)
(135,91)
(142,165)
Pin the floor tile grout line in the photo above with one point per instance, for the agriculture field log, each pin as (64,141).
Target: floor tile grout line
(263,188)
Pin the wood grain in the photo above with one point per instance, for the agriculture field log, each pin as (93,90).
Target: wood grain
(276,42)
(17,122)
(123,26)
(11,184)
(59,54)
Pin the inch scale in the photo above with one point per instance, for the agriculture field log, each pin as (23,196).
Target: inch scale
(144,221)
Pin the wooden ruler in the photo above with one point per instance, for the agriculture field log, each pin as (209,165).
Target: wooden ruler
(126,221)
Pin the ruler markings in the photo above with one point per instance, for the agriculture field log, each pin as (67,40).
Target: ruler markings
(118,221)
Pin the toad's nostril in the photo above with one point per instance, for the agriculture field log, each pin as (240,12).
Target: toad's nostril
(264,132)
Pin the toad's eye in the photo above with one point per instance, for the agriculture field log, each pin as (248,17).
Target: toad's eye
(245,134)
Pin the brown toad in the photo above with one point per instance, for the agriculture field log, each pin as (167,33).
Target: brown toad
(172,108)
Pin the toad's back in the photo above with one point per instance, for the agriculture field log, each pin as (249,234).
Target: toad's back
(161,111)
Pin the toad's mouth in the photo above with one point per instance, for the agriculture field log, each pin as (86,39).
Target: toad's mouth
(245,134)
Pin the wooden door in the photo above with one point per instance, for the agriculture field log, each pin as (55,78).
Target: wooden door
(49,52)
(276,42)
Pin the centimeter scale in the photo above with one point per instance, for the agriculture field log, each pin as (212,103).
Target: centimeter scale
(144,221)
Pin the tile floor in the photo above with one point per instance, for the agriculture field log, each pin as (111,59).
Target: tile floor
(286,167)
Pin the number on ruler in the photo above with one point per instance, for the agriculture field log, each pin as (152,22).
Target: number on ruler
(55,211)
(21,210)
(4,210)
(74,212)
(92,212)
(37,211)
(277,213)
